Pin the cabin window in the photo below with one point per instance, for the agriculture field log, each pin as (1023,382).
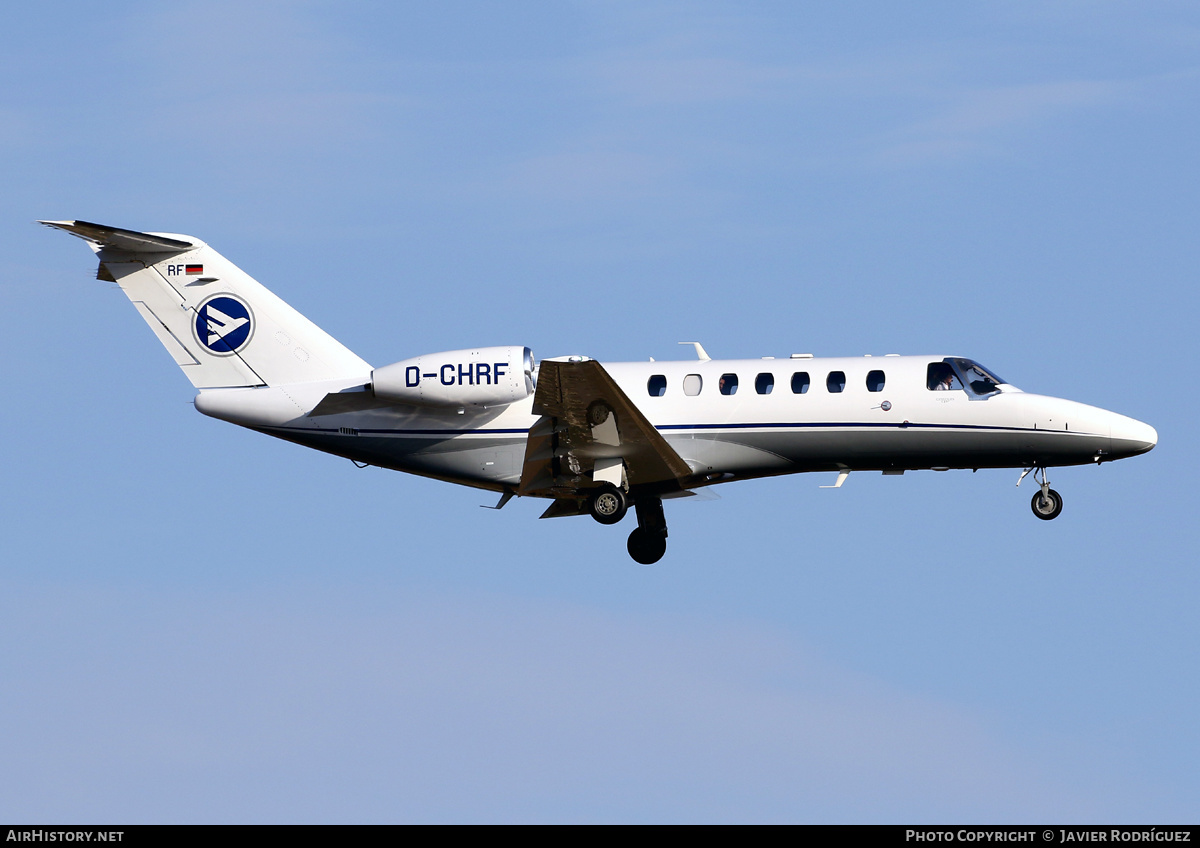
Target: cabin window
(875,381)
(728,384)
(800,382)
(763,383)
(940,377)
(657,385)
(836,381)
(692,384)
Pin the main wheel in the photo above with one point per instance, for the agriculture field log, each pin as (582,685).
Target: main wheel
(1047,507)
(598,412)
(646,546)
(608,504)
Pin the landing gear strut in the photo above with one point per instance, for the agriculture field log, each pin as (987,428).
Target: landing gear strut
(648,542)
(1046,503)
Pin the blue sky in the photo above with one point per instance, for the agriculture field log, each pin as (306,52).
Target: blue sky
(199,623)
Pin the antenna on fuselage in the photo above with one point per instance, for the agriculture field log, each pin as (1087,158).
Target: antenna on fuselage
(701,353)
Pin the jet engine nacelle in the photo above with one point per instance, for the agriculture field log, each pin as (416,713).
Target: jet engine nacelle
(486,376)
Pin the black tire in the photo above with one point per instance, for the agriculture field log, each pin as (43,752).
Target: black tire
(608,504)
(646,546)
(1049,508)
(598,412)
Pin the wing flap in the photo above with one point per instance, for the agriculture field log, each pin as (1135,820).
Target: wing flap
(587,422)
(563,507)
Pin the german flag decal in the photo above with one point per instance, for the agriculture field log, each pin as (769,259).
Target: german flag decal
(194,269)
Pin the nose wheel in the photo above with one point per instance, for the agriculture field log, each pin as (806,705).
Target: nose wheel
(1046,503)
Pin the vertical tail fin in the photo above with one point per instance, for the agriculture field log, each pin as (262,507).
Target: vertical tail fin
(222,327)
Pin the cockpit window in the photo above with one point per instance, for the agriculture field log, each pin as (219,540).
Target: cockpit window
(977,379)
(956,374)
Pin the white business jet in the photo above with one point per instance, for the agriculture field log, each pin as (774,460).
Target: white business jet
(594,439)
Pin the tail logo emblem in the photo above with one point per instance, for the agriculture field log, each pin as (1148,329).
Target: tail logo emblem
(223,324)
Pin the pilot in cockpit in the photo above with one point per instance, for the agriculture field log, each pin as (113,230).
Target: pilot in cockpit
(940,377)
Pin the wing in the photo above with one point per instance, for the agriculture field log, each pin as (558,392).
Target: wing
(590,433)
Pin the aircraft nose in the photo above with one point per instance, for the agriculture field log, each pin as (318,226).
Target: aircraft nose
(1131,437)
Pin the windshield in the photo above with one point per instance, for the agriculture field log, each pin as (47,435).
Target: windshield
(975,378)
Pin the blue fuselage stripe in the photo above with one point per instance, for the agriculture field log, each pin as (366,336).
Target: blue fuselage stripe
(489,432)
(800,425)
(797,425)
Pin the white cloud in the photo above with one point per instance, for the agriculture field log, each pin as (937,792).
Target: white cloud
(589,175)
(694,80)
(981,119)
(255,78)
(373,706)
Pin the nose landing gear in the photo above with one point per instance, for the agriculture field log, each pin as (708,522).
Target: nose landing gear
(1046,503)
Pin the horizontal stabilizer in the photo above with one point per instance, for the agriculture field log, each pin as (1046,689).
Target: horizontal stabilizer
(130,241)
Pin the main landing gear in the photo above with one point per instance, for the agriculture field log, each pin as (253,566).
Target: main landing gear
(608,504)
(648,542)
(1046,503)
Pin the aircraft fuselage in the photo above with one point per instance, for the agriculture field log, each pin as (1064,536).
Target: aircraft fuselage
(774,422)
(591,438)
